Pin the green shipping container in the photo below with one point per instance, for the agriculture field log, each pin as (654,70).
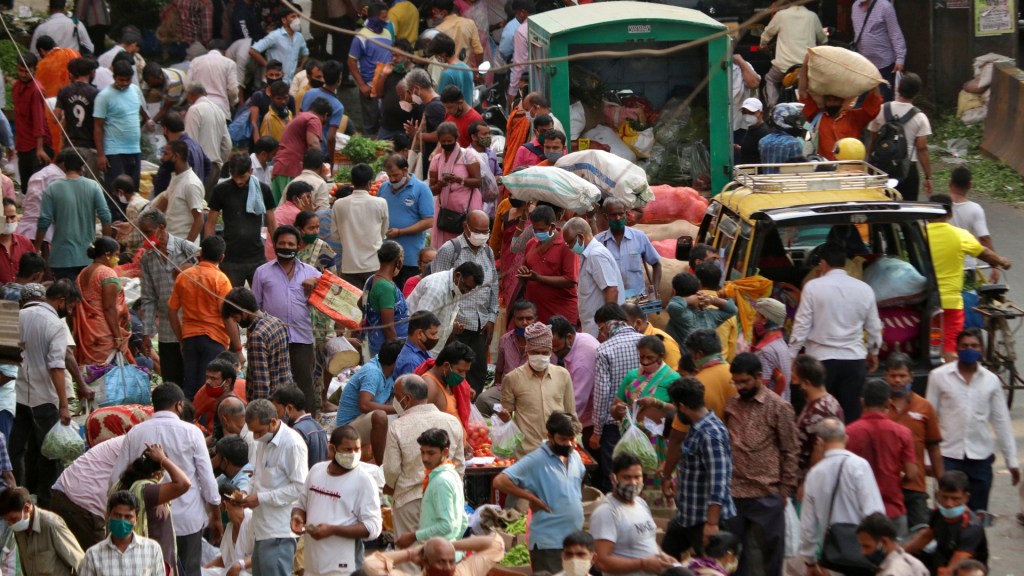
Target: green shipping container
(626,25)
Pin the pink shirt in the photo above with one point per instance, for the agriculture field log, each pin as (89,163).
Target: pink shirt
(521,53)
(288,160)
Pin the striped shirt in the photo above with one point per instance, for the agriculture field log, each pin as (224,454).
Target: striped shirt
(142,558)
(881,41)
(705,472)
(616,356)
(157,284)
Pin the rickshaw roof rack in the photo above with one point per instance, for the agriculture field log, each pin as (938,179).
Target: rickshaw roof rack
(809,176)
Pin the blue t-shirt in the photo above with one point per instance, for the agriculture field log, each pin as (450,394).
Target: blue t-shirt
(120,111)
(411,204)
(370,378)
(409,359)
(461,78)
(278,45)
(337,111)
(369,54)
(559,486)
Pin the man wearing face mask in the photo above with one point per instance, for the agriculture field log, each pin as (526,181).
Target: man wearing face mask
(536,389)
(410,213)
(370,49)
(630,248)
(281,288)
(458,112)
(123,552)
(266,340)
(328,90)
(577,352)
(511,353)
(14,245)
(477,311)
(443,505)
(910,409)
(290,404)
(834,119)
(550,480)
(118,116)
(45,545)
(279,479)
(442,293)
(968,400)
(480,142)
(423,337)
(764,472)
(600,281)
(752,113)
(531,153)
(221,382)
(625,540)
(337,508)
(577,554)
(286,45)
(395,109)
(878,543)
(403,464)
(365,400)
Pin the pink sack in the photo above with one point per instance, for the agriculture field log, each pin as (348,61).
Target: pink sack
(673,203)
(665,248)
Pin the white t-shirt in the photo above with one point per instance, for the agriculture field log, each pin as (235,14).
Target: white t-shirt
(971,217)
(916,126)
(629,526)
(323,503)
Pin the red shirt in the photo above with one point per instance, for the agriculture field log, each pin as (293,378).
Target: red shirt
(288,160)
(463,123)
(886,445)
(850,123)
(9,260)
(555,260)
(29,115)
(206,405)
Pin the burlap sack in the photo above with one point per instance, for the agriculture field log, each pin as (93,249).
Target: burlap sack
(834,71)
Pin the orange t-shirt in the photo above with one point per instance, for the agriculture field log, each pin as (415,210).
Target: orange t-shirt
(206,405)
(201,310)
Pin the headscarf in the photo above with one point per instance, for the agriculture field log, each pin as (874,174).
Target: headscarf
(538,337)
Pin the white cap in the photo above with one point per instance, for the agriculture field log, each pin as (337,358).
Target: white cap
(752,105)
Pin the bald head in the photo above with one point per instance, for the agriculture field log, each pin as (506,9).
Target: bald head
(577,230)
(438,550)
(832,432)
(411,387)
(477,228)
(231,412)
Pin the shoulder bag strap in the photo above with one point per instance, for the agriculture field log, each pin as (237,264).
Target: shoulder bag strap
(835,492)
(864,24)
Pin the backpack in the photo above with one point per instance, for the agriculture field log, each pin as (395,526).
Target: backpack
(891,151)
(240,128)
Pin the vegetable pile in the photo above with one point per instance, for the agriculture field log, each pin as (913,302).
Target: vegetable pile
(63,443)
(517,556)
(517,527)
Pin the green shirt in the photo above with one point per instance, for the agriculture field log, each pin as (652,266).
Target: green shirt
(72,206)
(657,386)
(382,295)
(443,511)
(682,319)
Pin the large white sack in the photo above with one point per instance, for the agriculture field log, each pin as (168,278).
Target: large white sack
(835,71)
(553,185)
(610,138)
(612,175)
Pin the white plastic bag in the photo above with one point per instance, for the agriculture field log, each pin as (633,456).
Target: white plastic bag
(610,138)
(554,186)
(63,443)
(612,175)
(505,436)
(792,530)
(635,441)
(894,281)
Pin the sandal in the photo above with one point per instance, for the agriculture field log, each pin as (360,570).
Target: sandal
(1020,518)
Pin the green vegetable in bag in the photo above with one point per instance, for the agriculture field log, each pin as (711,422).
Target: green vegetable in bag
(63,443)
(635,441)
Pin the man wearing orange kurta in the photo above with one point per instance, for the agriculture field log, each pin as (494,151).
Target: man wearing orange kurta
(52,74)
(517,130)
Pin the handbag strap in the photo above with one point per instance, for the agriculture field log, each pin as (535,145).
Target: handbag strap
(864,24)
(835,491)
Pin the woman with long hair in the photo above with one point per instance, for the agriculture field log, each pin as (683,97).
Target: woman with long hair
(102,322)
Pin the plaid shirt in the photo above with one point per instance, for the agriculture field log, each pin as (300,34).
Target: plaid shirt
(616,356)
(157,284)
(143,557)
(705,472)
(778,147)
(480,306)
(5,458)
(267,354)
(196,21)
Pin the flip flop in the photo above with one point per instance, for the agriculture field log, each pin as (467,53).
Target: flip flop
(1020,518)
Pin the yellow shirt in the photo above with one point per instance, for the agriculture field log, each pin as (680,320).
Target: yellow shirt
(464,32)
(949,245)
(406,19)
(534,398)
(672,353)
(718,389)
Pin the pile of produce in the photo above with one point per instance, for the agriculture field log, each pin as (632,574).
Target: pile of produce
(519,555)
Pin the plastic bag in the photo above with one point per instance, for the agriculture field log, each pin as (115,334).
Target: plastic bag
(63,443)
(506,437)
(123,383)
(792,530)
(477,433)
(894,281)
(635,441)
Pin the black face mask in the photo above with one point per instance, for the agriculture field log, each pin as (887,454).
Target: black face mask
(748,393)
(448,147)
(516,203)
(684,418)
(245,322)
(833,110)
(62,312)
(316,83)
(285,254)
(560,449)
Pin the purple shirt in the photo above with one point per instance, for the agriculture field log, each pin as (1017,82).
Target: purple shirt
(580,362)
(882,41)
(284,297)
(510,356)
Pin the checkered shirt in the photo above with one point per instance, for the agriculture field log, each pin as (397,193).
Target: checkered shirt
(705,472)
(616,356)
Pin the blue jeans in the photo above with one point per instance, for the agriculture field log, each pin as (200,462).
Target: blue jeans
(979,473)
(273,557)
(6,423)
(197,351)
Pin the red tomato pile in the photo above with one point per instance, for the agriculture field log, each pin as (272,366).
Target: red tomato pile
(479,438)
(584,455)
(504,462)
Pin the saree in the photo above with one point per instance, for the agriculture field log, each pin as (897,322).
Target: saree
(636,386)
(92,333)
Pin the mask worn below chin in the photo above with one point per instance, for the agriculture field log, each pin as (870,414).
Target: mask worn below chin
(628,491)
(347,461)
(969,356)
(119,528)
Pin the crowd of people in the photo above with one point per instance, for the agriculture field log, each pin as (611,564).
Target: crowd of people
(205,285)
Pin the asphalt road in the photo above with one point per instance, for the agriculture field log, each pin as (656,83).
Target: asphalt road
(1006,538)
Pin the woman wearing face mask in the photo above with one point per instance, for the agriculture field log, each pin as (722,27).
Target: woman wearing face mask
(385,313)
(721,556)
(549,269)
(143,479)
(649,382)
(454,181)
(102,322)
(317,253)
(236,544)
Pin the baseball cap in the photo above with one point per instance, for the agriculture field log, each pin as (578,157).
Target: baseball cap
(752,105)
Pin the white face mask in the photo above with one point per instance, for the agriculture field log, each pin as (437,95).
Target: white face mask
(21,525)
(576,567)
(10,228)
(748,120)
(347,461)
(539,362)
(295,25)
(478,239)
(416,100)
(398,406)
(731,567)
(122,199)
(405,106)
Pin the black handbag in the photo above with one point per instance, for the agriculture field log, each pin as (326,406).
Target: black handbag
(840,550)
(451,221)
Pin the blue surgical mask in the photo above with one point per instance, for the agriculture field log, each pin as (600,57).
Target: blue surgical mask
(542,236)
(969,356)
(579,247)
(954,512)
(520,332)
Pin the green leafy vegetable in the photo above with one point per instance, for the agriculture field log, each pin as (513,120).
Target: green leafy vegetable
(517,527)
(517,556)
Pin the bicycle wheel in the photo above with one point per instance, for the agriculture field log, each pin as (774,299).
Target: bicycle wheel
(1001,360)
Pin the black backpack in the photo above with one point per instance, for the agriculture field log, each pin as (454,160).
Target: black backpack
(891,151)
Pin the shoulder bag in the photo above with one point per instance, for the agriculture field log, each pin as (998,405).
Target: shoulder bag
(840,549)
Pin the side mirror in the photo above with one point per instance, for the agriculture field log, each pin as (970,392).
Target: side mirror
(683,246)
